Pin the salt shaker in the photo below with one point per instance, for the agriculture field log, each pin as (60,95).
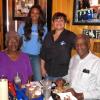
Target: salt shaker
(17,80)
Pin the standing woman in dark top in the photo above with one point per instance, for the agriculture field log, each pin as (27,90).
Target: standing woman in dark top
(33,31)
(56,49)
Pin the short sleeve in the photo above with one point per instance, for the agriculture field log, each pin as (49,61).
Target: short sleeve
(73,39)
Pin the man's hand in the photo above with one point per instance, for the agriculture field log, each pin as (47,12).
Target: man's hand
(72,91)
(79,96)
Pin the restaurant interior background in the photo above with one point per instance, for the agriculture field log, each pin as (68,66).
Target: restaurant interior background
(65,6)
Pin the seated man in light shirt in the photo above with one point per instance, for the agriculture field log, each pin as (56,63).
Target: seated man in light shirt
(84,71)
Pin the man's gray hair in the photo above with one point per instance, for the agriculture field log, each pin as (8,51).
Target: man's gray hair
(83,36)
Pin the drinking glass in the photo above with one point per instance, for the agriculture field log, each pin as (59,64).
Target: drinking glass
(46,89)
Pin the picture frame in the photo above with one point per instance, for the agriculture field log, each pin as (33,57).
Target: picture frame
(20,8)
(86,12)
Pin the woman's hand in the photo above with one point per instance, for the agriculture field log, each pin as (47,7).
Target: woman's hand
(43,70)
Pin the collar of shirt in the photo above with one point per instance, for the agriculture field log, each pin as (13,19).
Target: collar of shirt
(84,59)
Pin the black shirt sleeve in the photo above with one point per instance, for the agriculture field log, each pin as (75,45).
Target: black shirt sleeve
(73,39)
(43,49)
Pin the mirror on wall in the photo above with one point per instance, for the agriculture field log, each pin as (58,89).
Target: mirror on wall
(86,12)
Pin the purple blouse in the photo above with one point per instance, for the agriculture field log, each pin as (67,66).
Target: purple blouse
(9,68)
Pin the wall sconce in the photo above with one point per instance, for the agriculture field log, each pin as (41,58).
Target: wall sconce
(96,47)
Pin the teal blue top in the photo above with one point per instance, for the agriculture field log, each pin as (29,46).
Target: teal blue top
(32,46)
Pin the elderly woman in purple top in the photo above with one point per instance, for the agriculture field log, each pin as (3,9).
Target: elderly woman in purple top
(13,61)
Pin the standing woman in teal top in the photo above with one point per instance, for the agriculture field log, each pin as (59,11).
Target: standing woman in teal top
(33,32)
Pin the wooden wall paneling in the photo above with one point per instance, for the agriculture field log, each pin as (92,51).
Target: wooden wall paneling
(1,26)
(68,13)
(11,21)
(55,6)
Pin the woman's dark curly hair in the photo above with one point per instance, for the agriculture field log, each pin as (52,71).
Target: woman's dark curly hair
(28,24)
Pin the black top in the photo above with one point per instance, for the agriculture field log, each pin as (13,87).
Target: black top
(57,53)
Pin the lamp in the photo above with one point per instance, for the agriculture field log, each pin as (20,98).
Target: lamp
(96,47)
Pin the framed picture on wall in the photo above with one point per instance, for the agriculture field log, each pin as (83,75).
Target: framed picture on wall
(21,8)
(86,12)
